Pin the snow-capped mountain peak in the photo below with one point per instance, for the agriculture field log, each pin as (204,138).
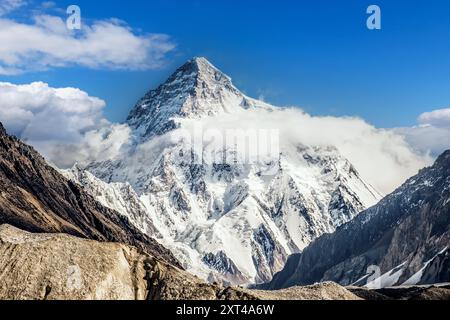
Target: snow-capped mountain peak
(224,217)
(196,89)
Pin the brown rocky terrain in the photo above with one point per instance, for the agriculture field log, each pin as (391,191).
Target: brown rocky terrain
(61,267)
(42,266)
(37,198)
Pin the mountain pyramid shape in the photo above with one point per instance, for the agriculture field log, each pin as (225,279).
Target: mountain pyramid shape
(196,89)
(225,220)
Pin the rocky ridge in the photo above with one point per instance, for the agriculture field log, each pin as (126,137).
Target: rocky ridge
(37,198)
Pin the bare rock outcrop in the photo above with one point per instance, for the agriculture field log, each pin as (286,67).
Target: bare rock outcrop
(59,266)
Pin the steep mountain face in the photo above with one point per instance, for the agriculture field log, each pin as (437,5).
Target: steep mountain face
(37,198)
(196,89)
(119,197)
(226,221)
(406,236)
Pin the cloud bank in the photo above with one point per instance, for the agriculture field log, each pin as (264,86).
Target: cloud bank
(46,43)
(65,124)
(431,135)
(7,6)
(382,157)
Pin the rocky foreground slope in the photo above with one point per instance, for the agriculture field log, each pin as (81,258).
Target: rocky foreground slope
(404,240)
(37,198)
(62,267)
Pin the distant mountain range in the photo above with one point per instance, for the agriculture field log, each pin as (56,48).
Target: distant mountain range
(405,237)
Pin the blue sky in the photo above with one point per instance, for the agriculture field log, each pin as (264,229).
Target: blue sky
(318,55)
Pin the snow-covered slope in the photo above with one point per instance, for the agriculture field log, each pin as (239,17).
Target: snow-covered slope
(195,90)
(234,221)
(403,240)
(116,196)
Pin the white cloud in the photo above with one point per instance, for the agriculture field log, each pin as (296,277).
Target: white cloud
(432,135)
(48,4)
(383,157)
(7,6)
(437,118)
(65,124)
(426,139)
(100,144)
(106,44)
(41,112)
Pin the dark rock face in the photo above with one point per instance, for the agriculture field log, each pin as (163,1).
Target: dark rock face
(267,252)
(220,261)
(2,130)
(438,270)
(37,198)
(408,231)
(224,265)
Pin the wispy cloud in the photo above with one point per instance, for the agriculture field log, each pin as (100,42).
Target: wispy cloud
(7,6)
(382,157)
(438,118)
(432,133)
(104,44)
